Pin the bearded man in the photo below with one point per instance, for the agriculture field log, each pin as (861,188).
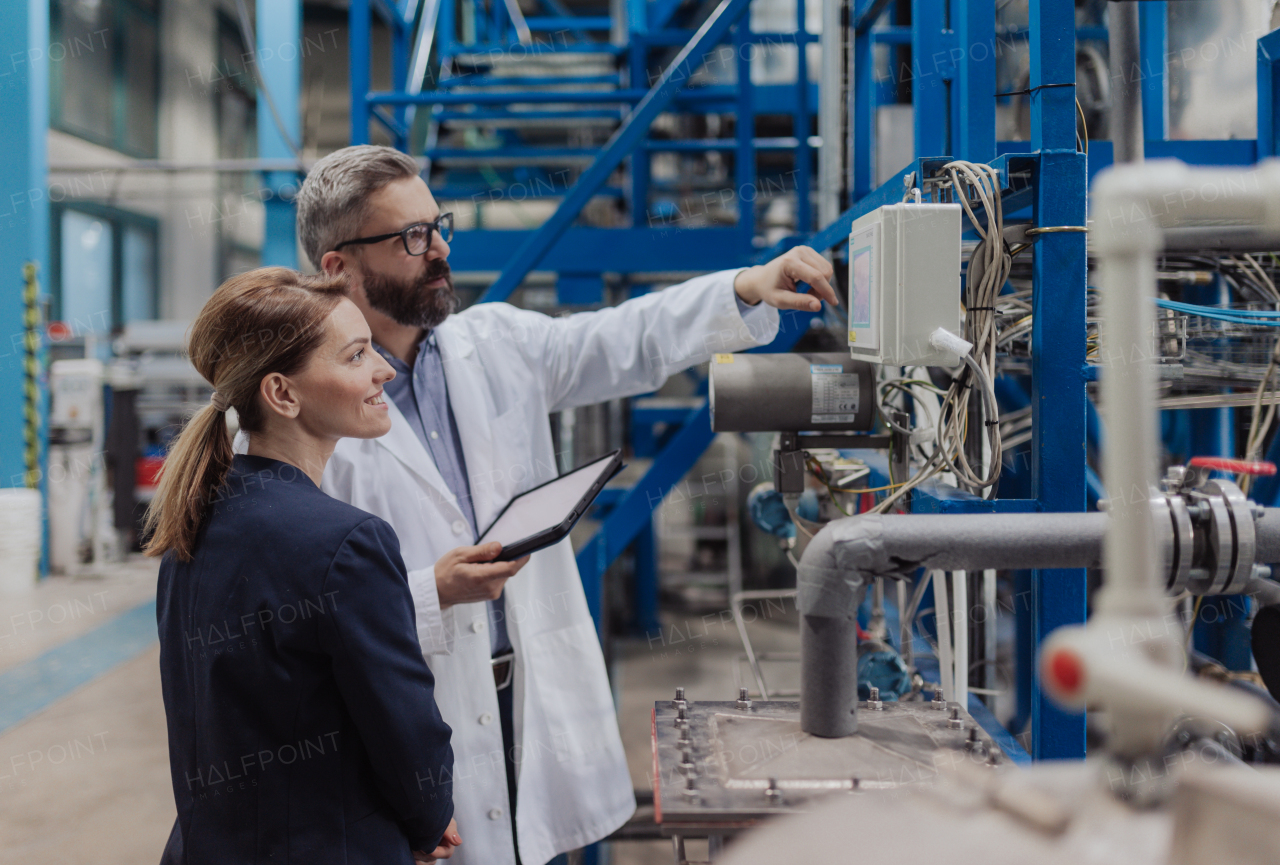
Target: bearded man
(520,676)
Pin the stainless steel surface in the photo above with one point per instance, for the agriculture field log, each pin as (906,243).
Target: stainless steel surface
(738,756)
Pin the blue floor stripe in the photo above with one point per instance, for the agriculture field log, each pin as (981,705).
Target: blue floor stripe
(31,686)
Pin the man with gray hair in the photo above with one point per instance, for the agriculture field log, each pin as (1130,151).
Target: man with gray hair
(469,409)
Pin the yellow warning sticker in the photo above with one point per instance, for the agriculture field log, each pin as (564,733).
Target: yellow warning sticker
(853,336)
(723,358)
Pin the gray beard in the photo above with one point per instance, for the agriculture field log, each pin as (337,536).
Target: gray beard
(413,304)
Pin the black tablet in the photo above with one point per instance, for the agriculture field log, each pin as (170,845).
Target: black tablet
(544,515)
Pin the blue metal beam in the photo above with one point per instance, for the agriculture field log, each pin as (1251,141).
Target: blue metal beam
(1058,345)
(932,70)
(1153,36)
(623,142)
(24,207)
(975,84)
(280,23)
(360,34)
(608,250)
(1269,95)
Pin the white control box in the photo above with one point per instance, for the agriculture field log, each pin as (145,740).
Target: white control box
(904,283)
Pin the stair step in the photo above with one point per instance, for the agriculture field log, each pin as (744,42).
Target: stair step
(601,116)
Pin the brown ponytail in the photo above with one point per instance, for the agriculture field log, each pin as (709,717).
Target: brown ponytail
(264,321)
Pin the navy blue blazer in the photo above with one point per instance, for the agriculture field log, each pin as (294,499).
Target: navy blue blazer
(302,720)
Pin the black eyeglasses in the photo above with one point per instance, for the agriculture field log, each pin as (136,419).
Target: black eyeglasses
(416,238)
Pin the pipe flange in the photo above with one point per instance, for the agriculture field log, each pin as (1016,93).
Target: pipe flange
(1244,543)
(1168,535)
(1219,542)
(1184,535)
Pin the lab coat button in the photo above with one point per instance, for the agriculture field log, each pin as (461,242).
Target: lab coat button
(495,813)
(486,718)
(435,435)
(458,526)
(477,627)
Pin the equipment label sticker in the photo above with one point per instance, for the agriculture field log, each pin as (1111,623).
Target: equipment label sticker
(835,393)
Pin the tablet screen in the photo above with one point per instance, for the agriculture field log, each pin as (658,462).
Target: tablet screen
(546,506)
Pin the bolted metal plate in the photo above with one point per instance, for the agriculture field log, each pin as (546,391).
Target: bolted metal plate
(748,764)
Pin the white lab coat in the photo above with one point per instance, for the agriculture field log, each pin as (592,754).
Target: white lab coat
(507,369)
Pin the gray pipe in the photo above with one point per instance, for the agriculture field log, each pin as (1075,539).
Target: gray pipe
(1266,531)
(848,554)
(1126,95)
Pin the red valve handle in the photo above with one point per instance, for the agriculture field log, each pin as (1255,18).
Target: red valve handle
(1224,464)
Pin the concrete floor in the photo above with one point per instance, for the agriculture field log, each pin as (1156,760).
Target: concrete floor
(84,780)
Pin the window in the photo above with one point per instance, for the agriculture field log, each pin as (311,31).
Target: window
(104,267)
(104,72)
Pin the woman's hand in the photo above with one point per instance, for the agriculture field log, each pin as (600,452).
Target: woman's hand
(450,840)
(468,574)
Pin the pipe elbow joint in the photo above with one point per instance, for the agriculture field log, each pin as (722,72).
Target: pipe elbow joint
(838,564)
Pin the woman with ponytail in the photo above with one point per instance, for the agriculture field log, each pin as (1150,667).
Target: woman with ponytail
(301,716)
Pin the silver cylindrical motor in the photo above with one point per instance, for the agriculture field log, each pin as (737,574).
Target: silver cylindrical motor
(791,393)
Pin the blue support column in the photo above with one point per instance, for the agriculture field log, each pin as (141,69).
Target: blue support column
(24,209)
(976,81)
(1153,35)
(929,71)
(1059,597)
(1269,95)
(280,69)
(862,111)
(744,164)
(800,119)
(646,581)
(359,32)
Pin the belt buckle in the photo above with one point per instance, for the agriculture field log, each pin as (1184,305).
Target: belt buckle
(497,661)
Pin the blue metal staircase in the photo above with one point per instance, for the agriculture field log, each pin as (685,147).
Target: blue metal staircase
(515,100)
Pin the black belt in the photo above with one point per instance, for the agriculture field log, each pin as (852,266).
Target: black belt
(504,666)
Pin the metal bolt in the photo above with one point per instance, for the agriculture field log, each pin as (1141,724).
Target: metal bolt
(744,702)
(690,790)
(973,743)
(874,701)
(682,717)
(679,700)
(685,739)
(954,721)
(939,702)
(774,794)
(687,766)
(1262,572)
(855,782)
(993,757)
(1258,510)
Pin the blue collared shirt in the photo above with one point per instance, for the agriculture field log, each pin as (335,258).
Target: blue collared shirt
(422,395)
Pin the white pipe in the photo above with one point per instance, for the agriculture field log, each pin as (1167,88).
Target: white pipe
(989,632)
(942,612)
(1132,205)
(960,610)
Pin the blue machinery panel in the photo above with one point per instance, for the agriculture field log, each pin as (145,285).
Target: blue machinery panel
(953,87)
